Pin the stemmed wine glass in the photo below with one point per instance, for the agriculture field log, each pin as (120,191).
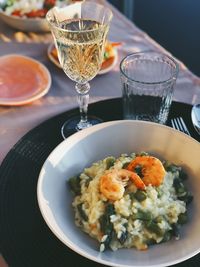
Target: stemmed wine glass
(79,31)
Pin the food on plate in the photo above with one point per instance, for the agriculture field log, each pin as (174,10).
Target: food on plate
(152,169)
(109,54)
(30,8)
(133,200)
(113,182)
(108,59)
(54,53)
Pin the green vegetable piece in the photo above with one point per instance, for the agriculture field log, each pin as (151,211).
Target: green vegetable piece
(132,195)
(138,170)
(179,187)
(82,212)
(167,236)
(143,153)
(176,230)
(170,167)
(183,175)
(152,226)
(88,181)
(124,235)
(107,241)
(140,195)
(110,162)
(106,55)
(143,216)
(188,198)
(166,164)
(74,184)
(110,209)
(125,165)
(182,218)
(105,223)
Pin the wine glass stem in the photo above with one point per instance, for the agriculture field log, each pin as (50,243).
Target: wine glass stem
(83,106)
(83,100)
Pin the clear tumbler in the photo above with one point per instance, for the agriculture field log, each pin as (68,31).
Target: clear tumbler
(148,80)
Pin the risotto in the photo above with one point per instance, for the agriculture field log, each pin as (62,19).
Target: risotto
(131,201)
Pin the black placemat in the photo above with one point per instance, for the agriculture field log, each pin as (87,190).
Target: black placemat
(25,239)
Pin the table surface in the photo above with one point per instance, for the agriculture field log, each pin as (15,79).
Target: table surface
(17,121)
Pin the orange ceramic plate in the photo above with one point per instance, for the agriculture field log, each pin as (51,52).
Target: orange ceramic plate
(107,65)
(22,80)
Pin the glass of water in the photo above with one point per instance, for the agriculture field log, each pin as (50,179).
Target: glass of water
(148,79)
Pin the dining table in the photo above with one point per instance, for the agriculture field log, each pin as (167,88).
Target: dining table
(30,132)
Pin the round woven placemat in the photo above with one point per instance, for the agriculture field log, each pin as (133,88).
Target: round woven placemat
(25,239)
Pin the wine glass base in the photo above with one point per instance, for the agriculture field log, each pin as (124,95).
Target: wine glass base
(73,125)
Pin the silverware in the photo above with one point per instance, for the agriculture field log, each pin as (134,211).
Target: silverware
(179,124)
(195,115)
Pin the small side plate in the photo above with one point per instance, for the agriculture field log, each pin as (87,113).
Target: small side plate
(23,80)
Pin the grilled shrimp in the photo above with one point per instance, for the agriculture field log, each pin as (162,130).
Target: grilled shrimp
(152,170)
(113,182)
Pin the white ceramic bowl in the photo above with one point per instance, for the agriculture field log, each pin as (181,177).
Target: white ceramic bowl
(114,138)
(25,24)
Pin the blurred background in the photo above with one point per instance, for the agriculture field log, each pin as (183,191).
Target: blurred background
(174,24)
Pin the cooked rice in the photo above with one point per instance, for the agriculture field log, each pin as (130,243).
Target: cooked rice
(161,204)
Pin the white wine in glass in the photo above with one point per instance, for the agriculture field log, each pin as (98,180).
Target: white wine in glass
(80,32)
